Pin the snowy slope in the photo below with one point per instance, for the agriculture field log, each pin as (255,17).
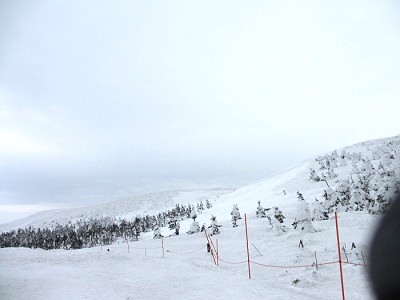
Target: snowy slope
(277,190)
(186,270)
(281,188)
(140,205)
(279,268)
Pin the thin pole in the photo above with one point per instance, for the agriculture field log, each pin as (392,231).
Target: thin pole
(209,242)
(316,261)
(256,249)
(340,256)
(217,253)
(212,250)
(363,258)
(247,245)
(345,254)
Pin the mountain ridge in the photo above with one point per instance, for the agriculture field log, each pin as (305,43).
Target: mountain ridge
(278,189)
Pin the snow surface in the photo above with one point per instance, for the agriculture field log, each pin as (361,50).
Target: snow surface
(186,270)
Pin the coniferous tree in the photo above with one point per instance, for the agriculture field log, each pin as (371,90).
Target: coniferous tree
(303,215)
(260,213)
(157,233)
(208,204)
(331,201)
(193,215)
(194,227)
(214,225)
(343,193)
(235,215)
(278,215)
(319,212)
(314,176)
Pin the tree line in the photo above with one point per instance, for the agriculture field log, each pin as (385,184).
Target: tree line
(94,232)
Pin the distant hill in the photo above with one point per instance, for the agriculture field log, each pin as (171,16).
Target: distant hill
(361,177)
(146,204)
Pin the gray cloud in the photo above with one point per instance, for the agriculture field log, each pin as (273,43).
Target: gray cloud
(100,101)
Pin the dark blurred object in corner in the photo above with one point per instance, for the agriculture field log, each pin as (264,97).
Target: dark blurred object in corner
(384,261)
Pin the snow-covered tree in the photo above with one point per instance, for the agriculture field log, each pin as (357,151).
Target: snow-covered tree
(200,207)
(344,155)
(235,215)
(276,222)
(334,159)
(323,177)
(331,201)
(193,215)
(357,196)
(303,215)
(356,157)
(235,212)
(278,215)
(214,225)
(343,162)
(382,188)
(172,222)
(321,161)
(331,174)
(319,212)
(260,213)
(355,169)
(194,227)
(234,222)
(314,176)
(343,193)
(157,233)
(367,169)
(208,204)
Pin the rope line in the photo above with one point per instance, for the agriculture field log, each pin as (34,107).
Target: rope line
(355,264)
(169,251)
(282,267)
(328,263)
(145,248)
(232,263)
(292,267)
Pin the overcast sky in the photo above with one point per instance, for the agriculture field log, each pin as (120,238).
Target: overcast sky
(100,100)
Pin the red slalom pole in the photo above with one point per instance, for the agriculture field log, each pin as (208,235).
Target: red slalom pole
(209,242)
(247,245)
(213,250)
(340,255)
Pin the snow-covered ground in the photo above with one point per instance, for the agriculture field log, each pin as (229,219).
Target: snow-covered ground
(280,269)
(187,271)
